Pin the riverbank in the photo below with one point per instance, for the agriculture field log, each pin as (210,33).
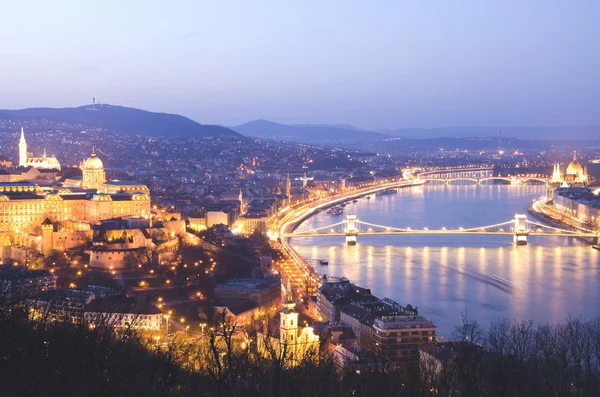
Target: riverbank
(534,209)
(290,221)
(324,206)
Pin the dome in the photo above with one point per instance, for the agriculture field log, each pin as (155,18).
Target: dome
(93,164)
(574,168)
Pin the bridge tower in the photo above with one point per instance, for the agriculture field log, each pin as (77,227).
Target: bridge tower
(351,230)
(521,231)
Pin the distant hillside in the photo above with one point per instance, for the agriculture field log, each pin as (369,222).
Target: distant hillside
(306,133)
(124,120)
(526,133)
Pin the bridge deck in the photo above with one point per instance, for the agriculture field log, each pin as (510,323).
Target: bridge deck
(442,232)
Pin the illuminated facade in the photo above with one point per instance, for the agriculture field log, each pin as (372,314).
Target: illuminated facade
(43,162)
(28,209)
(575,176)
(294,343)
(24,205)
(92,172)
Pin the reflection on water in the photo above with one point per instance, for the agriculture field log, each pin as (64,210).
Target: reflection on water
(545,281)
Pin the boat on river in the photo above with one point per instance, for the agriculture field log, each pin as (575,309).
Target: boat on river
(335,210)
(386,192)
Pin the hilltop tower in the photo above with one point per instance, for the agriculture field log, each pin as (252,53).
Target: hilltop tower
(22,150)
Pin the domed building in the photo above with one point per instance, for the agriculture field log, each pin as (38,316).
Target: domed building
(575,176)
(93,175)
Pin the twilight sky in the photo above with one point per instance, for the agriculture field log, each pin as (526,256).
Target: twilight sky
(374,64)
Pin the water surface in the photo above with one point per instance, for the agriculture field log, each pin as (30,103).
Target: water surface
(547,281)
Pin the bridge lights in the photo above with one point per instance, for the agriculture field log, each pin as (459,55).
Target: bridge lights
(443,227)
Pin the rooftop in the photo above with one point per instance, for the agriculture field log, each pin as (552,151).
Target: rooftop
(258,284)
(9,272)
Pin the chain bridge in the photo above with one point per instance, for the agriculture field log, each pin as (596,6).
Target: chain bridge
(520,228)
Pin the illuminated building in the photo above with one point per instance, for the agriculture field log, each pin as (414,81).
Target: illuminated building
(264,292)
(253,222)
(121,312)
(29,210)
(294,343)
(92,172)
(575,176)
(392,331)
(43,162)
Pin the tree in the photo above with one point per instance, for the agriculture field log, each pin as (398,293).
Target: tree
(469,330)
(131,260)
(259,238)
(56,258)
(222,357)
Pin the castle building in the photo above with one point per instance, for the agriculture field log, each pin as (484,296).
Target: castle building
(43,163)
(28,209)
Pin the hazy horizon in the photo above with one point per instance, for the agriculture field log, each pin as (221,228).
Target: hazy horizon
(382,66)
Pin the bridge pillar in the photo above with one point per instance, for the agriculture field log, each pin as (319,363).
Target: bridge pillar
(521,232)
(351,230)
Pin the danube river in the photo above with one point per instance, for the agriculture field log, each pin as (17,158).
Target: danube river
(546,281)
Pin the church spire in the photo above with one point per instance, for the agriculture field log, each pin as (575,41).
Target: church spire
(241,198)
(289,300)
(22,150)
(575,156)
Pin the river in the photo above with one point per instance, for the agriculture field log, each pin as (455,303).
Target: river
(546,281)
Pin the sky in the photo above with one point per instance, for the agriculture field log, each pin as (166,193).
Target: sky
(374,64)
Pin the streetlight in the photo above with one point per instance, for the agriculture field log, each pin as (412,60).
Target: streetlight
(167,324)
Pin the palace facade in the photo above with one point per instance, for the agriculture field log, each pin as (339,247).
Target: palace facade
(27,208)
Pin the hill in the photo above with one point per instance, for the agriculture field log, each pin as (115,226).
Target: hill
(526,133)
(306,133)
(124,120)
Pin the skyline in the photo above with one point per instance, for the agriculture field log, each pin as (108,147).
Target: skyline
(386,67)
